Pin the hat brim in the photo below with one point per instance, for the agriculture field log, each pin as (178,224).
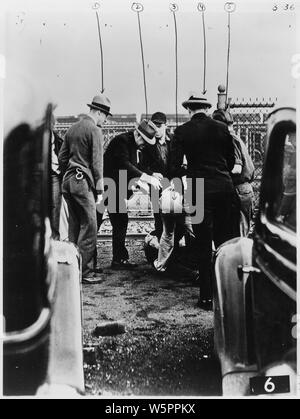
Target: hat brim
(98,109)
(201,105)
(156,121)
(148,140)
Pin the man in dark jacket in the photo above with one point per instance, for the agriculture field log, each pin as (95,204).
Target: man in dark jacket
(81,162)
(155,162)
(208,148)
(122,166)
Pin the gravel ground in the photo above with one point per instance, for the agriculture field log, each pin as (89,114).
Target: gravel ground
(167,349)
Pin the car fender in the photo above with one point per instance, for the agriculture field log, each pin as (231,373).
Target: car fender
(65,366)
(230,305)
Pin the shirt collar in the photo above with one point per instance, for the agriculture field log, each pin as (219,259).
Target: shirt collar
(164,140)
(200,115)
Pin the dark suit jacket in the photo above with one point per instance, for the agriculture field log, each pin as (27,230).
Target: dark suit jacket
(83,149)
(152,162)
(122,154)
(208,147)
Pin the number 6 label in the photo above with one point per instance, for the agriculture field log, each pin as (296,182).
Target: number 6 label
(270,385)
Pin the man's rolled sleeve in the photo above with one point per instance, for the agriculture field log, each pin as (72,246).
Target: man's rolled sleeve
(238,153)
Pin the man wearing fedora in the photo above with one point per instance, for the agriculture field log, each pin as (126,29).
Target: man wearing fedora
(209,151)
(122,165)
(81,162)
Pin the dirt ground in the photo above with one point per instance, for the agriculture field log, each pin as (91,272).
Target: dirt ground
(167,349)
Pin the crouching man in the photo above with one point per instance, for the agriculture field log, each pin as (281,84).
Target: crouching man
(122,167)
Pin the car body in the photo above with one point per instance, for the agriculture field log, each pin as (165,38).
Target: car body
(42,343)
(256,279)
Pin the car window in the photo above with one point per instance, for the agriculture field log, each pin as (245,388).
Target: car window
(286,203)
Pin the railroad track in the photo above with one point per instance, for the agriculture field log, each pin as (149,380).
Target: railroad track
(137,237)
(129,236)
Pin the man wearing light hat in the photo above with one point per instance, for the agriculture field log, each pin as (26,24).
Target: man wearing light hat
(122,161)
(208,148)
(155,161)
(81,162)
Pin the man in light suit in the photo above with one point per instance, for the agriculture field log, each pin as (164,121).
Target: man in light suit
(155,161)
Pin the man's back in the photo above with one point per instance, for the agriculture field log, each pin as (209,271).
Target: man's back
(83,149)
(121,154)
(208,147)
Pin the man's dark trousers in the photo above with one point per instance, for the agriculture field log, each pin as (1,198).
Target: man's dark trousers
(216,227)
(56,204)
(119,222)
(82,219)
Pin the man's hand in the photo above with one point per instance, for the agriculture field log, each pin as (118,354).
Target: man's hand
(143,186)
(151,180)
(158,176)
(155,183)
(99,199)
(237,170)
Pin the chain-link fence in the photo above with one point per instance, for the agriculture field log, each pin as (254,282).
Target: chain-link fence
(109,131)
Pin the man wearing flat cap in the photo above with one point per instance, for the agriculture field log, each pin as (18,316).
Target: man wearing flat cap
(81,162)
(122,165)
(209,151)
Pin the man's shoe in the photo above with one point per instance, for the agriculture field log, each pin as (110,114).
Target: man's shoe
(122,265)
(91,280)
